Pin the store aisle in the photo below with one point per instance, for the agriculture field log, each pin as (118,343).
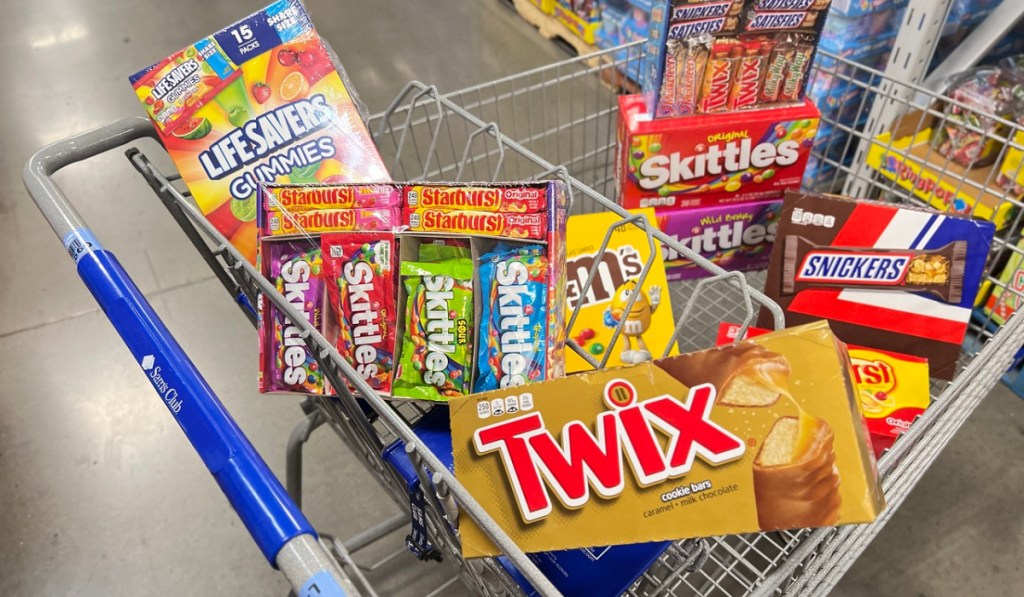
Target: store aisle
(100,493)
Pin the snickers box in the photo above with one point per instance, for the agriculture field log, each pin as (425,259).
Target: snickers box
(886,276)
(711,159)
(761,435)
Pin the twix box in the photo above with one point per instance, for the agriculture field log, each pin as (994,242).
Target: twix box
(761,435)
(710,159)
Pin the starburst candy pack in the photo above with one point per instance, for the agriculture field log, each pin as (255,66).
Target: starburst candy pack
(647,328)
(262,100)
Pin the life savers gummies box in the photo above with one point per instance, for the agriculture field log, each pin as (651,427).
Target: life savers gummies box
(702,161)
(758,436)
(737,237)
(259,101)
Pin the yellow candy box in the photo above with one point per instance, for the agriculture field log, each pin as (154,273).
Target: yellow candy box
(647,329)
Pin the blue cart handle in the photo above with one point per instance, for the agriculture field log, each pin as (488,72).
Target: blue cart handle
(264,506)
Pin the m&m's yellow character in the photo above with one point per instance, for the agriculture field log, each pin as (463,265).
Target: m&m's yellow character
(634,322)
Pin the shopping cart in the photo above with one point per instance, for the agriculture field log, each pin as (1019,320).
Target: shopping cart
(556,122)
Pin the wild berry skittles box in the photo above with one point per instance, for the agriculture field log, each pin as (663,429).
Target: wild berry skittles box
(711,159)
(737,237)
(259,101)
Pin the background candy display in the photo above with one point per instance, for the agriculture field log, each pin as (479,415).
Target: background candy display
(966,135)
(286,365)
(1008,296)
(856,8)
(281,94)
(764,45)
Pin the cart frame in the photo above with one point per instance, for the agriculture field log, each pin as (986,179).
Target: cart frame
(501,130)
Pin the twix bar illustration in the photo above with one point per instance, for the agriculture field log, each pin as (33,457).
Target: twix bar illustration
(760,435)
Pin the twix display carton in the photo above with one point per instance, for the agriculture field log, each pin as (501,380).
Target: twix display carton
(760,435)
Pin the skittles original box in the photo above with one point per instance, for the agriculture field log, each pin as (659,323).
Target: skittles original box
(737,237)
(259,101)
(713,159)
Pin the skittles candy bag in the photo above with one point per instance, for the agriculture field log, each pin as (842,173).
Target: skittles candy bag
(286,364)
(513,319)
(436,358)
(360,277)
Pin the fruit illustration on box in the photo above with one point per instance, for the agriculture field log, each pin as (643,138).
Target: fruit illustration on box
(635,320)
(259,101)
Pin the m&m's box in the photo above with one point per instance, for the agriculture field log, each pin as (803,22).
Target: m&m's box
(623,316)
(711,159)
(259,101)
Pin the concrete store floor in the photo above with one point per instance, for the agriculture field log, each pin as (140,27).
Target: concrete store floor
(99,492)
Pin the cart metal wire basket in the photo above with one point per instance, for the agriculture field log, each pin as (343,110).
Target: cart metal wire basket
(559,122)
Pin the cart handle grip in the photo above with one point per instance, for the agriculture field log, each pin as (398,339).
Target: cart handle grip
(271,517)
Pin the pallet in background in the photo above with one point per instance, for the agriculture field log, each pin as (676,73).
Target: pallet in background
(551,28)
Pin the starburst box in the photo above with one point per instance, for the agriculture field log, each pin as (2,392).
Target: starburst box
(259,101)
(712,159)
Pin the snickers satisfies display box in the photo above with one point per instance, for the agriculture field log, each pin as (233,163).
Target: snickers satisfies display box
(761,435)
(712,159)
(707,56)
(886,276)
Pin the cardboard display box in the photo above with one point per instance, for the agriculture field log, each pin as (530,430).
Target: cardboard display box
(905,156)
(714,159)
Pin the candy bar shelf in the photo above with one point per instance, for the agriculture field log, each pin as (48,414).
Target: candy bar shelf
(556,122)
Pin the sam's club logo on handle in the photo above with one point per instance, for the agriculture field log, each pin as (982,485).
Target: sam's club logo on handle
(163,387)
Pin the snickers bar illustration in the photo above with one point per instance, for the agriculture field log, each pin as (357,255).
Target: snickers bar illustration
(937,271)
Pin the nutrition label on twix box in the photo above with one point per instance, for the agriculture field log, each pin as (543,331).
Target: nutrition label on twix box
(760,435)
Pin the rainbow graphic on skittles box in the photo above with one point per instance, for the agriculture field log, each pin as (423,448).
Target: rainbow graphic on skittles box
(259,101)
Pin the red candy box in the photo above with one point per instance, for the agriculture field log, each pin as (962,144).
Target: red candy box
(707,160)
